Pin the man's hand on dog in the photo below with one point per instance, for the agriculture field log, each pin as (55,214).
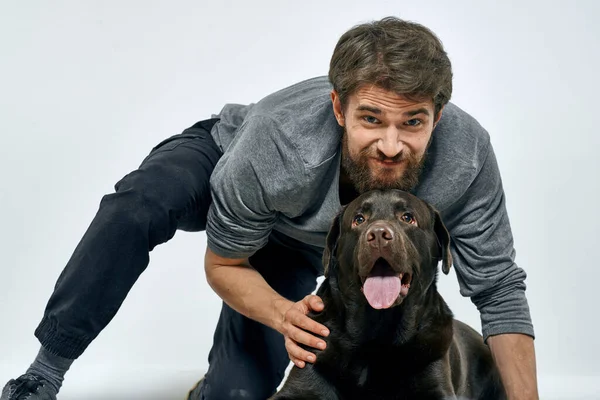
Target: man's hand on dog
(297,327)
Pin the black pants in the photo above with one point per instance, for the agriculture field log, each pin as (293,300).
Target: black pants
(170,191)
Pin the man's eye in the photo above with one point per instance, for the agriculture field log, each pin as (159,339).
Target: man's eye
(414,122)
(358,219)
(370,119)
(408,218)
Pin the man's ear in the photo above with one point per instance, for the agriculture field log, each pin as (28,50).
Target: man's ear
(331,243)
(443,238)
(337,108)
(438,116)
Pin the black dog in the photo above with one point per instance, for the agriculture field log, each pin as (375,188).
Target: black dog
(392,334)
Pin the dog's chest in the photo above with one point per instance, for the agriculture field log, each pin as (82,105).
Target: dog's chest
(362,379)
(383,375)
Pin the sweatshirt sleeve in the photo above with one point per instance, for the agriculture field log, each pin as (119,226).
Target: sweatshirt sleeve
(247,187)
(484,256)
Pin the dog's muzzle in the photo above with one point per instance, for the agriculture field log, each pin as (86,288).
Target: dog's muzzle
(384,284)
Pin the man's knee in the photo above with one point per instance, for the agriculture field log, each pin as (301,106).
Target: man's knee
(170,190)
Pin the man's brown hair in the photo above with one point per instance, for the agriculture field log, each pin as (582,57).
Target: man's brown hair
(400,56)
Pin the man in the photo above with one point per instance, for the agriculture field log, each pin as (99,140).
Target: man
(265,182)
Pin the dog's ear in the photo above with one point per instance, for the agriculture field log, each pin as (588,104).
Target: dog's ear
(443,238)
(331,243)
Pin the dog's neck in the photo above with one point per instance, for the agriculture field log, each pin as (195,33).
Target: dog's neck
(417,324)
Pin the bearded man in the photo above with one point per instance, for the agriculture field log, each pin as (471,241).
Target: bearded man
(265,181)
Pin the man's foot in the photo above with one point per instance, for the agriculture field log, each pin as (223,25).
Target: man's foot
(193,394)
(28,387)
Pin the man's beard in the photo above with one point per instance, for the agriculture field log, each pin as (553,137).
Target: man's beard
(364,178)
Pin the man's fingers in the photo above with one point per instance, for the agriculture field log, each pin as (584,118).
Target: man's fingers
(298,355)
(298,330)
(298,363)
(300,336)
(315,302)
(300,320)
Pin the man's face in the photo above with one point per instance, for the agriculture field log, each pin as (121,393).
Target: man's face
(385,138)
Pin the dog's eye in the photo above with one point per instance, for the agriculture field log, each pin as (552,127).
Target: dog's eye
(408,218)
(358,219)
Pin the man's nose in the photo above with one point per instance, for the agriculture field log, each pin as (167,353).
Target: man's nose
(389,144)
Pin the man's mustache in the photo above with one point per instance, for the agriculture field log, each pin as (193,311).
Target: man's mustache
(383,158)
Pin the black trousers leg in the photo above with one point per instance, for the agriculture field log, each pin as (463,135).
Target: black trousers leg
(169,191)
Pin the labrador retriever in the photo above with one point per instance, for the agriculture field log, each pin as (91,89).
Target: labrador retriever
(392,334)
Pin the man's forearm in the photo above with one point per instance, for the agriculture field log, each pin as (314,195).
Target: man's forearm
(514,355)
(246,291)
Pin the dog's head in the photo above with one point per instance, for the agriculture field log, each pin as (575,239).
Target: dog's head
(385,242)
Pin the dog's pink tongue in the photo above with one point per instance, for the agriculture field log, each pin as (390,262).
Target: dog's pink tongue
(382,291)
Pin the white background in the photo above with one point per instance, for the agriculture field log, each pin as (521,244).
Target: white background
(87,88)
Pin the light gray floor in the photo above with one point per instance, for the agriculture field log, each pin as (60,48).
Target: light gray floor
(97,382)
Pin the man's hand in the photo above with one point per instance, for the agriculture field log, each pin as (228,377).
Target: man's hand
(246,291)
(514,355)
(296,326)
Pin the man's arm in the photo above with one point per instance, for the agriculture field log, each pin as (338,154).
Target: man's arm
(514,355)
(246,291)
(484,260)
(254,181)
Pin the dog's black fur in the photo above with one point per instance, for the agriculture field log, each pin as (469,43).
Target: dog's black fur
(414,349)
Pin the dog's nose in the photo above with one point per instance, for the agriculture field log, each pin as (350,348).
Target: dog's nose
(379,235)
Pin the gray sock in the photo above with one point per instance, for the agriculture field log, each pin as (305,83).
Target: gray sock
(50,367)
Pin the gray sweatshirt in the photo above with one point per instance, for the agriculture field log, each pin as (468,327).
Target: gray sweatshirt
(279,175)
